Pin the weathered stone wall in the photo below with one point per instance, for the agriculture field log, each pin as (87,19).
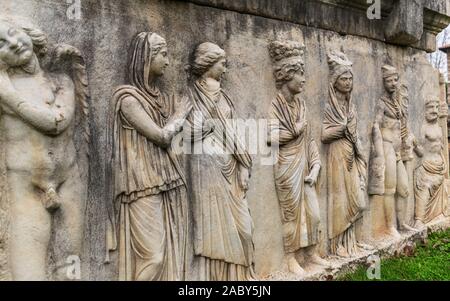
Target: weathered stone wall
(104,34)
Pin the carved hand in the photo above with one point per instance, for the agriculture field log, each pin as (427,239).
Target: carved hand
(418,149)
(311,179)
(3,66)
(409,143)
(244,177)
(362,183)
(183,107)
(178,125)
(170,131)
(375,128)
(182,110)
(6,87)
(208,126)
(300,127)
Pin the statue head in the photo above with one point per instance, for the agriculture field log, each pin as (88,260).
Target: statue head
(149,59)
(432,109)
(209,61)
(288,65)
(341,72)
(18,45)
(390,78)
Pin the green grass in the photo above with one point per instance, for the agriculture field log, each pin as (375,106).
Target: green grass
(429,262)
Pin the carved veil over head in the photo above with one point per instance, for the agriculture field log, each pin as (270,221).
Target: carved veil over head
(145,46)
(346,162)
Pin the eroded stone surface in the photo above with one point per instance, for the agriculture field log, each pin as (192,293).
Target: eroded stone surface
(244,32)
(44,194)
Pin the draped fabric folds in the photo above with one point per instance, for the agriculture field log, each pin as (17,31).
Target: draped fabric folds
(150,195)
(223,226)
(296,156)
(346,173)
(430,190)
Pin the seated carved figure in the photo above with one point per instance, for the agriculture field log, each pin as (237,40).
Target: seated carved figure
(430,189)
(37,124)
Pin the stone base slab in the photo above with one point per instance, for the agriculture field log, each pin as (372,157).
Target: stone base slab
(404,246)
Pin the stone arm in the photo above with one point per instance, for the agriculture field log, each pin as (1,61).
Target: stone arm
(332,129)
(51,119)
(279,136)
(377,163)
(443,109)
(418,149)
(332,132)
(377,138)
(418,143)
(182,108)
(278,133)
(379,113)
(314,162)
(139,119)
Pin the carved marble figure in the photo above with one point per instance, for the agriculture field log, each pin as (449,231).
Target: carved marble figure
(45,192)
(219,175)
(150,186)
(298,165)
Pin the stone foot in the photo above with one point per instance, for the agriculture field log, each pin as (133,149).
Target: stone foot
(294,267)
(341,252)
(408,228)
(365,246)
(316,259)
(394,233)
(419,225)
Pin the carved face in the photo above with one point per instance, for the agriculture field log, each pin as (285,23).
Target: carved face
(344,83)
(296,84)
(391,83)
(159,62)
(16,47)
(217,70)
(432,111)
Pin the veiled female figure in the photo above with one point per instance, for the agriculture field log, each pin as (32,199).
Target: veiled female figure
(298,165)
(219,176)
(346,165)
(150,185)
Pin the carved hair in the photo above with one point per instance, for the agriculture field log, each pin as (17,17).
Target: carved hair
(145,46)
(432,101)
(338,64)
(39,39)
(389,71)
(205,56)
(287,58)
(37,36)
